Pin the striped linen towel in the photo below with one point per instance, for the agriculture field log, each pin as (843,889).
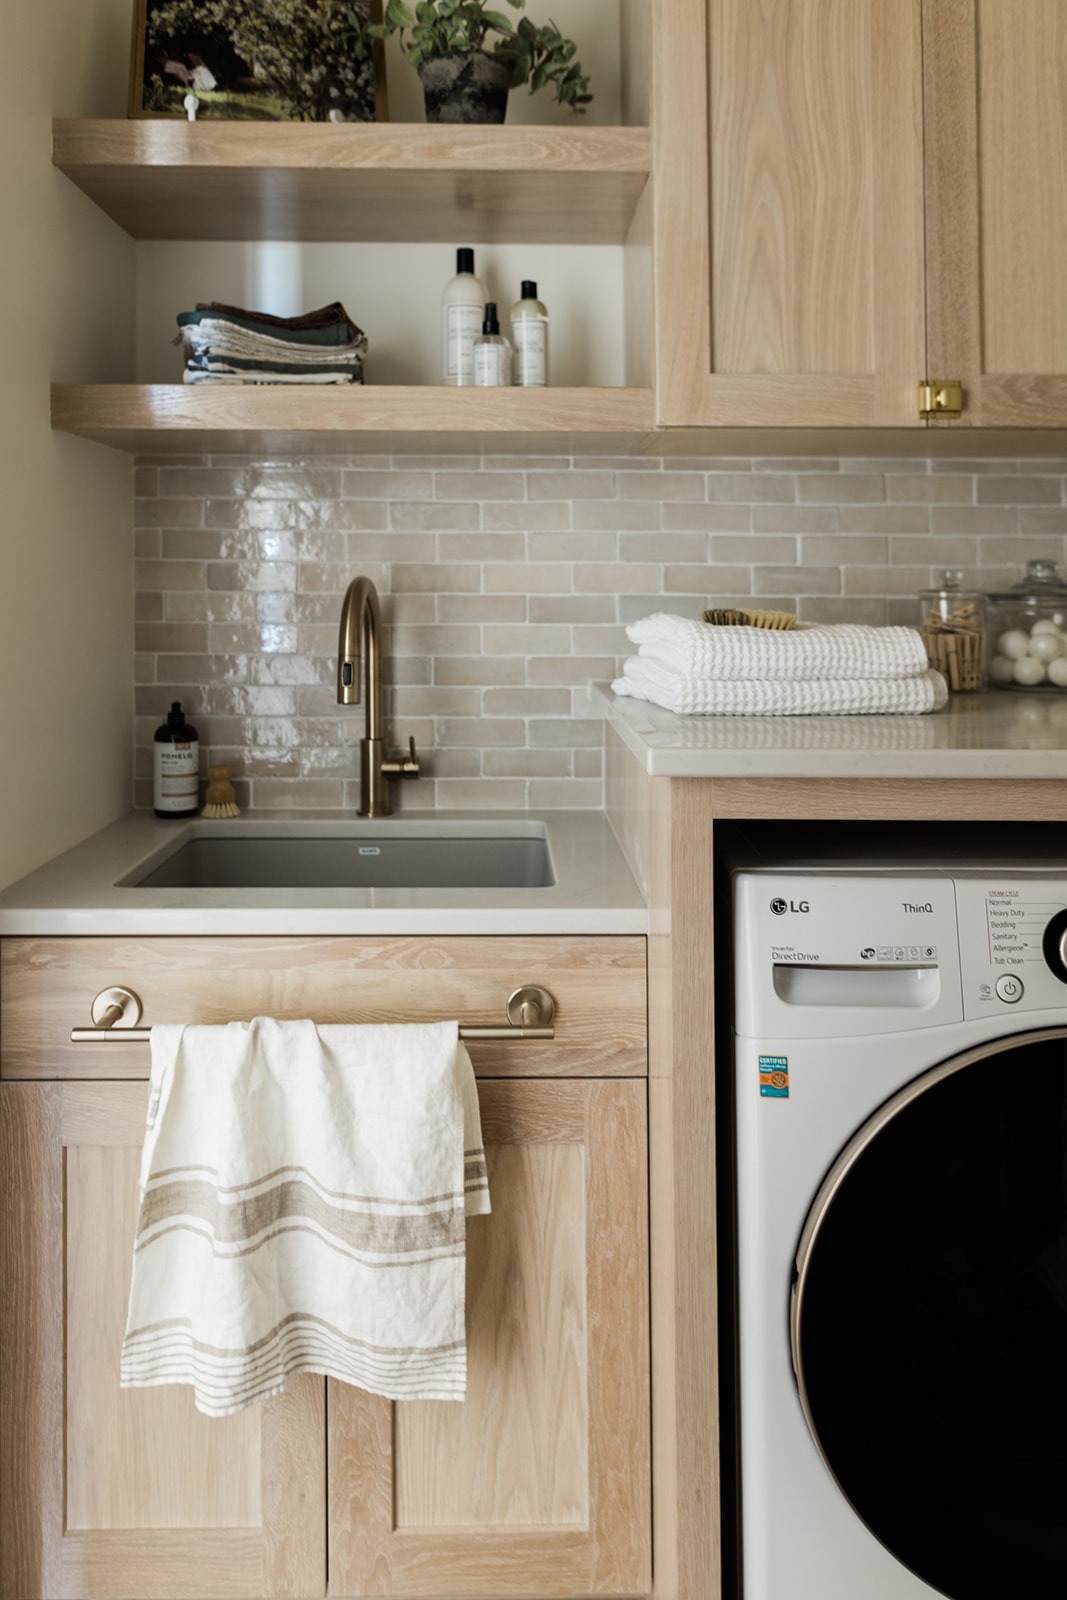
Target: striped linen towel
(644,679)
(846,650)
(304,1191)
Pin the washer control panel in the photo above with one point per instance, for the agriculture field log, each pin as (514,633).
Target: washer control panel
(1013,943)
(825,955)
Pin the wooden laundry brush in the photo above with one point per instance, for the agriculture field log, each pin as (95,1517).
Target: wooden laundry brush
(220,799)
(731,617)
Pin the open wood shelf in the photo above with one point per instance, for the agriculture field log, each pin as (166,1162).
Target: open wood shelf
(189,419)
(163,179)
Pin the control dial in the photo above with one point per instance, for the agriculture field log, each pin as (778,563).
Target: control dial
(1054,946)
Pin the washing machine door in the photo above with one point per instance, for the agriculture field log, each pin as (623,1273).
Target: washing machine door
(929,1322)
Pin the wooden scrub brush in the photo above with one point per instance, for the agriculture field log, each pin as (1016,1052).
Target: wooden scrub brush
(732,617)
(220,799)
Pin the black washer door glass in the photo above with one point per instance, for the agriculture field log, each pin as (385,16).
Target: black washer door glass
(931,1329)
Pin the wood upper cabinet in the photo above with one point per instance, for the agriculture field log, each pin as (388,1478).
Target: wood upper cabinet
(996,198)
(789,228)
(871,192)
(537,1485)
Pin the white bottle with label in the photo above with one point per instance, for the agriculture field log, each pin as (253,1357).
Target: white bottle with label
(462,306)
(492,353)
(529,335)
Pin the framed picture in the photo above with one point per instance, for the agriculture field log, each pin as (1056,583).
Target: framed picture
(257,60)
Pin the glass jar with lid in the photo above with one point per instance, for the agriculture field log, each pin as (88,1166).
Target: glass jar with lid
(952,625)
(1028,632)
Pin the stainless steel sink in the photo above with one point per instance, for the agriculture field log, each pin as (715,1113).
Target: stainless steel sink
(397,856)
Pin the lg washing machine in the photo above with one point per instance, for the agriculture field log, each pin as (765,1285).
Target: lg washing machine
(900,1061)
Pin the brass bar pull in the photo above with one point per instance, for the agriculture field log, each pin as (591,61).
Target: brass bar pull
(117,1011)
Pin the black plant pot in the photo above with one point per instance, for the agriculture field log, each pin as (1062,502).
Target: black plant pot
(465,86)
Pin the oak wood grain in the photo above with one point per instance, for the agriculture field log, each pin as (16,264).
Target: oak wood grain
(789,229)
(903,799)
(550,1450)
(184,417)
(163,179)
(125,1495)
(598,984)
(666,828)
(996,208)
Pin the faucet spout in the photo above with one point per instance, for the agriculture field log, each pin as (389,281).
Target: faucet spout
(361,635)
(359,648)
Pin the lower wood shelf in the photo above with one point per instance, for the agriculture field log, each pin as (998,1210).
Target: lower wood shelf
(188,419)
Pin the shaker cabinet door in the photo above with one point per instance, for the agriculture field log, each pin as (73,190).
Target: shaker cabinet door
(995,76)
(538,1484)
(109,1492)
(789,222)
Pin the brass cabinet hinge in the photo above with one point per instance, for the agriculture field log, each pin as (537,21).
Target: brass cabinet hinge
(943,398)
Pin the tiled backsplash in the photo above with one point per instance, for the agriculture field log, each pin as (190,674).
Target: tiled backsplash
(506,584)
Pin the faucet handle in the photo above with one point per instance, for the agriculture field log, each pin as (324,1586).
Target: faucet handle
(403,766)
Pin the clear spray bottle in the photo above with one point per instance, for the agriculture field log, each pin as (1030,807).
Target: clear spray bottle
(492,353)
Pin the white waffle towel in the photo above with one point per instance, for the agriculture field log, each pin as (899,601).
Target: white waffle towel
(304,1191)
(833,650)
(645,679)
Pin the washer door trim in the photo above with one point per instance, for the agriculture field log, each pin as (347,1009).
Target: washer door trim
(861,1139)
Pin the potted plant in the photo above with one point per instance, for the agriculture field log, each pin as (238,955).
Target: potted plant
(468,56)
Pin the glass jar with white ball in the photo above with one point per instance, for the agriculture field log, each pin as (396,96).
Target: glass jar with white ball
(1028,632)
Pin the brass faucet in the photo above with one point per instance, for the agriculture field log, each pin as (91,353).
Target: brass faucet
(361,633)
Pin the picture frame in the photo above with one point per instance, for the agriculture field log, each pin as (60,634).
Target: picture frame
(237,60)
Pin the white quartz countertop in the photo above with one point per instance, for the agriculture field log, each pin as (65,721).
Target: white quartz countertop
(996,735)
(79,893)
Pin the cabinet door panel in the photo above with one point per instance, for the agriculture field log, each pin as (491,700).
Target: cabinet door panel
(995,76)
(538,1483)
(111,1492)
(515,1454)
(789,216)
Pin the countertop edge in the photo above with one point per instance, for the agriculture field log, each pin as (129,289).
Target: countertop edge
(993,736)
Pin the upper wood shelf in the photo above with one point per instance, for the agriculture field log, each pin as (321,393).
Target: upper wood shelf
(405,182)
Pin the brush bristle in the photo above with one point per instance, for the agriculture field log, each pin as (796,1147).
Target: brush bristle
(226,809)
(730,617)
(725,617)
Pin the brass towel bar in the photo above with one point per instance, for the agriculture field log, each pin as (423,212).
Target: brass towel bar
(116,1013)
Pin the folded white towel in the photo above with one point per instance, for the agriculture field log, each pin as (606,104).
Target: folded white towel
(645,679)
(833,650)
(303,1199)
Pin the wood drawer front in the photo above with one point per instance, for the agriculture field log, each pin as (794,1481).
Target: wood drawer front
(47,987)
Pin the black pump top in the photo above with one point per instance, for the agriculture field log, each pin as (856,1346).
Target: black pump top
(176,724)
(464,259)
(529,289)
(490,324)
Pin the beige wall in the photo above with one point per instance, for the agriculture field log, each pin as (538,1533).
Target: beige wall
(66,285)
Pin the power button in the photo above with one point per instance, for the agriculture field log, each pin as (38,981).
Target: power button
(1009,989)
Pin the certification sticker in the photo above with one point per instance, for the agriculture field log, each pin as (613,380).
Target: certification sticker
(774,1077)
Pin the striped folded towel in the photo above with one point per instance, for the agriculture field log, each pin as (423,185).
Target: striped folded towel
(304,1191)
(844,650)
(644,679)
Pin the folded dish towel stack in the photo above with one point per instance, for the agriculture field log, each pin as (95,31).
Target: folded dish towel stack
(226,344)
(304,1191)
(697,667)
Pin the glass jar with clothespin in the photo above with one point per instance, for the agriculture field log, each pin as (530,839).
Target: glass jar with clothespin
(952,623)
